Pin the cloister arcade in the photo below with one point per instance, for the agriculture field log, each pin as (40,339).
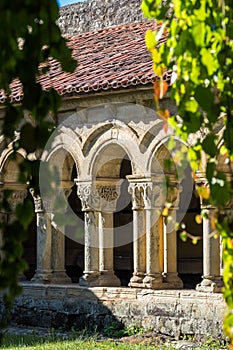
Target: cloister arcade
(111,228)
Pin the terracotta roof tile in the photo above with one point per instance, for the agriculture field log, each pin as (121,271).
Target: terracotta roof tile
(112,58)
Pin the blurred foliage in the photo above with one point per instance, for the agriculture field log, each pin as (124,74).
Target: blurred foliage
(199,52)
(29,39)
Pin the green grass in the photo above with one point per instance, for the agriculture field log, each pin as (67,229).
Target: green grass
(12,342)
(53,342)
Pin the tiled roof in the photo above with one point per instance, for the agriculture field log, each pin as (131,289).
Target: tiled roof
(108,59)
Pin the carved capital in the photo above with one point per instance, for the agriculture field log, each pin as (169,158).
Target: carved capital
(17,197)
(84,193)
(37,201)
(135,189)
(97,197)
(146,195)
(108,197)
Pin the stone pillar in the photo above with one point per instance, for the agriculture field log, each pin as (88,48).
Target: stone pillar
(59,275)
(17,196)
(152,197)
(91,240)
(212,279)
(170,257)
(139,233)
(170,241)
(43,272)
(97,202)
(50,245)
(106,244)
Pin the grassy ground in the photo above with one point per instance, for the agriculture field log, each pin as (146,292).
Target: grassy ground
(38,343)
(32,342)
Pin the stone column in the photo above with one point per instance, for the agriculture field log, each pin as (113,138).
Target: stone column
(152,196)
(91,254)
(43,272)
(139,233)
(17,196)
(212,280)
(98,203)
(170,241)
(59,275)
(170,257)
(106,243)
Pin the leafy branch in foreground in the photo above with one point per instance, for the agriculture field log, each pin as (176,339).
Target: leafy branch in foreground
(199,52)
(29,41)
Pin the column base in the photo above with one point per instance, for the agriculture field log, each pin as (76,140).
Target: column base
(210,284)
(153,281)
(42,276)
(60,277)
(172,280)
(136,280)
(51,277)
(108,279)
(99,279)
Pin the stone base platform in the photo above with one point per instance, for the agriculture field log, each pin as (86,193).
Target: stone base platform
(168,312)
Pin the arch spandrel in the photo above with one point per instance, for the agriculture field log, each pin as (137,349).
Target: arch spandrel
(109,130)
(130,151)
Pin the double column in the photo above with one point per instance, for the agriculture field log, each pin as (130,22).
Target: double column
(147,235)
(154,245)
(98,203)
(50,243)
(212,281)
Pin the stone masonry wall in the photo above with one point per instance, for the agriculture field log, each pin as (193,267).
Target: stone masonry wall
(166,312)
(96,14)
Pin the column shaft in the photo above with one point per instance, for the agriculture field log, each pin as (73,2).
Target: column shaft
(170,256)
(139,248)
(91,250)
(153,277)
(212,281)
(44,244)
(106,243)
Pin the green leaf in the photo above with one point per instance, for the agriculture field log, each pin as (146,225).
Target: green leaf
(208,60)
(150,39)
(191,105)
(198,33)
(209,145)
(205,97)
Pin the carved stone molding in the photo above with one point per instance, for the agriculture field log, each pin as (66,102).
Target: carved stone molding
(37,201)
(84,193)
(97,197)
(17,197)
(138,190)
(146,195)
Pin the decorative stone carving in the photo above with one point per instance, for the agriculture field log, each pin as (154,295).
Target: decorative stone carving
(17,197)
(97,197)
(39,208)
(146,195)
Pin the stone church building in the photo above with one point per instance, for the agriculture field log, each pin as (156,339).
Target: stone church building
(114,256)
